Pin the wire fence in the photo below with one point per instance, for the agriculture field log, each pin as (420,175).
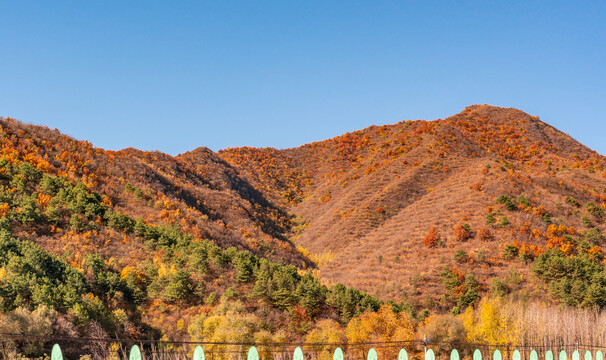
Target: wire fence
(22,346)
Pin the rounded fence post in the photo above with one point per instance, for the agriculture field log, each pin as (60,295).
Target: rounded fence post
(599,355)
(576,355)
(429,355)
(534,355)
(497,355)
(403,355)
(587,355)
(135,353)
(198,353)
(477,355)
(338,355)
(372,354)
(298,354)
(516,355)
(549,355)
(253,354)
(563,355)
(454,355)
(56,353)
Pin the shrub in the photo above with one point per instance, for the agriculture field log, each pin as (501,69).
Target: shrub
(432,238)
(594,210)
(510,252)
(523,200)
(503,221)
(506,201)
(461,256)
(462,232)
(497,288)
(485,235)
(490,219)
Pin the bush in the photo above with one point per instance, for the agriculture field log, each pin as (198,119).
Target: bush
(462,232)
(485,235)
(507,202)
(432,239)
(523,200)
(490,219)
(510,252)
(497,288)
(594,210)
(461,256)
(443,331)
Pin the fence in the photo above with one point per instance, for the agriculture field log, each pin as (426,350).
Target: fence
(69,348)
(135,353)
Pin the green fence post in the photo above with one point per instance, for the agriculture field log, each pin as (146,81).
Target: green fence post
(477,355)
(516,355)
(576,355)
(549,355)
(497,355)
(252,354)
(135,353)
(338,355)
(403,355)
(429,355)
(298,354)
(56,353)
(599,355)
(587,355)
(563,355)
(534,355)
(198,353)
(372,354)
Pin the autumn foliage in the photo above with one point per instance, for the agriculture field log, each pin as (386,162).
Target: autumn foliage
(432,239)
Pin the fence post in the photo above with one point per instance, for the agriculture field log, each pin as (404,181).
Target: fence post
(198,353)
(298,354)
(372,354)
(56,353)
(253,354)
(135,353)
(338,355)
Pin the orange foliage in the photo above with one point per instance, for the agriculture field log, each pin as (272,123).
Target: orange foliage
(432,238)
(4,208)
(461,233)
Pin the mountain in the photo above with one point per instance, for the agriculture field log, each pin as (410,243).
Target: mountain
(424,215)
(369,198)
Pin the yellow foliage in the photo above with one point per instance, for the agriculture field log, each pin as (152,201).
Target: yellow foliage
(383,325)
(493,322)
(322,259)
(325,331)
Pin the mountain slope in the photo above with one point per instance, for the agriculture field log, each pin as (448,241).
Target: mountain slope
(429,213)
(376,193)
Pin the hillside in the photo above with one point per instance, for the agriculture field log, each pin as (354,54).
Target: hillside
(372,196)
(249,244)
(140,245)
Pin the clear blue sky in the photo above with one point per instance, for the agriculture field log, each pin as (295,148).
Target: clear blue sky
(175,75)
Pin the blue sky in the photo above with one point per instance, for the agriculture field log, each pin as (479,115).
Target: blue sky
(173,76)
